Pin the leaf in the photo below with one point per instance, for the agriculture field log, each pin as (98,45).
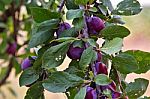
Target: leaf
(108,4)
(6,2)
(17,66)
(70,4)
(71,14)
(127,8)
(35,91)
(113,46)
(2,6)
(102,79)
(55,55)
(40,14)
(78,23)
(114,31)
(60,81)
(145,97)
(43,33)
(28,77)
(72,32)
(137,88)
(143,60)
(81,2)
(81,94)
(88,56)
(125,63)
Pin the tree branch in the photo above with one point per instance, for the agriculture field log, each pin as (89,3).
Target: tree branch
(61,5)
(7,73)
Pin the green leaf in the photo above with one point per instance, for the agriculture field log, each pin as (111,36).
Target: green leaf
(88,56)
(60,81)
(137,88)
(125,63)
(113,46)
(40,14)
(2,6)
(81,94)
(72,32)
(17,66)
(145,97)
(81,2)
(78,23)
(128,7)
(71,14)
(55,55)
(43,32)
(143,60)
(108,4)
(114,31)
(28,76)
(102,79)
(70,4)
(6,2)
(35,91)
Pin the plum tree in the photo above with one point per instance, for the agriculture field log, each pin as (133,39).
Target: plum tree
(87,76)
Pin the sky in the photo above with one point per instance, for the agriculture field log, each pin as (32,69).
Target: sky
(142,2)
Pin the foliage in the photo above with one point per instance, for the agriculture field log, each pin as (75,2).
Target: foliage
(83,79)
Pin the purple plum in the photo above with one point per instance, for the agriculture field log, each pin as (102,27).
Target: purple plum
(62,27)
(75,52)
(26,63)
(95,25)
(90,93)
(99,56)
(116,95)
(11,49)
(100,68)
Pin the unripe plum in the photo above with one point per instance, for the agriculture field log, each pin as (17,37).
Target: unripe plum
(26,63)
(100,68)
(62,27)
(95,25)
(75,52)
(90,93)
(11,49)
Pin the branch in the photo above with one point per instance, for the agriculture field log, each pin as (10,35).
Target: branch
(7,73)
(61,5)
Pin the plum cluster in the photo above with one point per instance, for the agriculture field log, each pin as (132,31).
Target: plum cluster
(96,91)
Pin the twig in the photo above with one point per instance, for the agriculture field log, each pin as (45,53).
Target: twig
(85,30)
(61,5)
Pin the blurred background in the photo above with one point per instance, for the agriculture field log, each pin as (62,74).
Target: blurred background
(139,39)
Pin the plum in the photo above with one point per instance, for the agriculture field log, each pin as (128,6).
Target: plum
(90,93)
(62,27)
(95,25)
(11,49)
(100,68)
(99,56)
(75,52)
(116,95)
(26,63)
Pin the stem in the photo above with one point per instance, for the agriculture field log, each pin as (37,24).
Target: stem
(85,30)
(61,5)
